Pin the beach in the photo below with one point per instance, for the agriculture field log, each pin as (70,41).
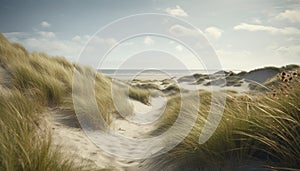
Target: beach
(59,115)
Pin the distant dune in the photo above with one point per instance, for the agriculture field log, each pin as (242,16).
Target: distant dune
(41,130)
(238,81)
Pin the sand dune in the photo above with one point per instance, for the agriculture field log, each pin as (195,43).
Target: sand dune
(75,142)
(36,97)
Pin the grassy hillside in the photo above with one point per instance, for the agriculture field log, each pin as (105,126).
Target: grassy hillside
(256,132)
(30,84)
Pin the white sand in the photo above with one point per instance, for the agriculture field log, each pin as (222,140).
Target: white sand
(140,107)
(75,142)
(144,114)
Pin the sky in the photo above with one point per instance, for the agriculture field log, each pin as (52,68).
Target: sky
(245,34)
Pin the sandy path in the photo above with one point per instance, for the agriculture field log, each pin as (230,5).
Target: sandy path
(75,142)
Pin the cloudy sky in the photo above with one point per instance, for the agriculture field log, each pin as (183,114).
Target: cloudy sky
(245,34)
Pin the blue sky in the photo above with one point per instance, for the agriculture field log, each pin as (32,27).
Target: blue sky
(246,34)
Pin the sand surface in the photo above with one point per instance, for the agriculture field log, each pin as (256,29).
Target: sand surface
(74,141)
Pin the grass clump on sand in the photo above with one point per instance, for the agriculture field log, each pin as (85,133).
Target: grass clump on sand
(256,132)
(30,84)
(24,146)
(141,95)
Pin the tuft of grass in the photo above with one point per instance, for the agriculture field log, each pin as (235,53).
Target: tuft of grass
(141,95)
(30,84)
(24,146)
(256,132)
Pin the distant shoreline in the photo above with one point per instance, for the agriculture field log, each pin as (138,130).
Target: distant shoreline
(160,74)
(130,74)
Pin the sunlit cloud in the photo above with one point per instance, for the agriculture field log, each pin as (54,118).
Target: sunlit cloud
(289,15)
(45,24)
(148,41)
(270,29)
(177,11)
(292,51)
(179,30)
(46,34)
(250,28)
(179,48)
(214,32)
(51,44)
(256,21)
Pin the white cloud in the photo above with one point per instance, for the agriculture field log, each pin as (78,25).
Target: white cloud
(256,21)
(290,15)
(179,30)
(49,43)
(179,48)
(94,41)
(110,41)
(81,39)
(177,11)
(270,29)
(228,53)
(46,34)
(237,59)
(18,36)
(76,38)
(291,51)
(46,42)
(148,41)
(45,24)
(214,32)
(273,55)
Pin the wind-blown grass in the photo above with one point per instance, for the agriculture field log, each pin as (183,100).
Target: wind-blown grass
(30,84)
(24,146)
(256,132)
(141,95)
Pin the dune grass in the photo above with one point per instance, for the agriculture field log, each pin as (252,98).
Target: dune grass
(23,145)
(31,83)
(263,130)
(257,132)
(141,95)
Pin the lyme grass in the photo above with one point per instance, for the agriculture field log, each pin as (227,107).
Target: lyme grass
(259,132)
(31,83)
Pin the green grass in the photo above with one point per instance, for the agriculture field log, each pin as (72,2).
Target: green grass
(24,146)
(263,130)
(31,83)
(138,94)
(260,129)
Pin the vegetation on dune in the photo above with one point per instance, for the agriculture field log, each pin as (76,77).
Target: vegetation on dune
(141,95)
(23,143)
(255,78)
(147,86)
(30,84)
(256,132)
